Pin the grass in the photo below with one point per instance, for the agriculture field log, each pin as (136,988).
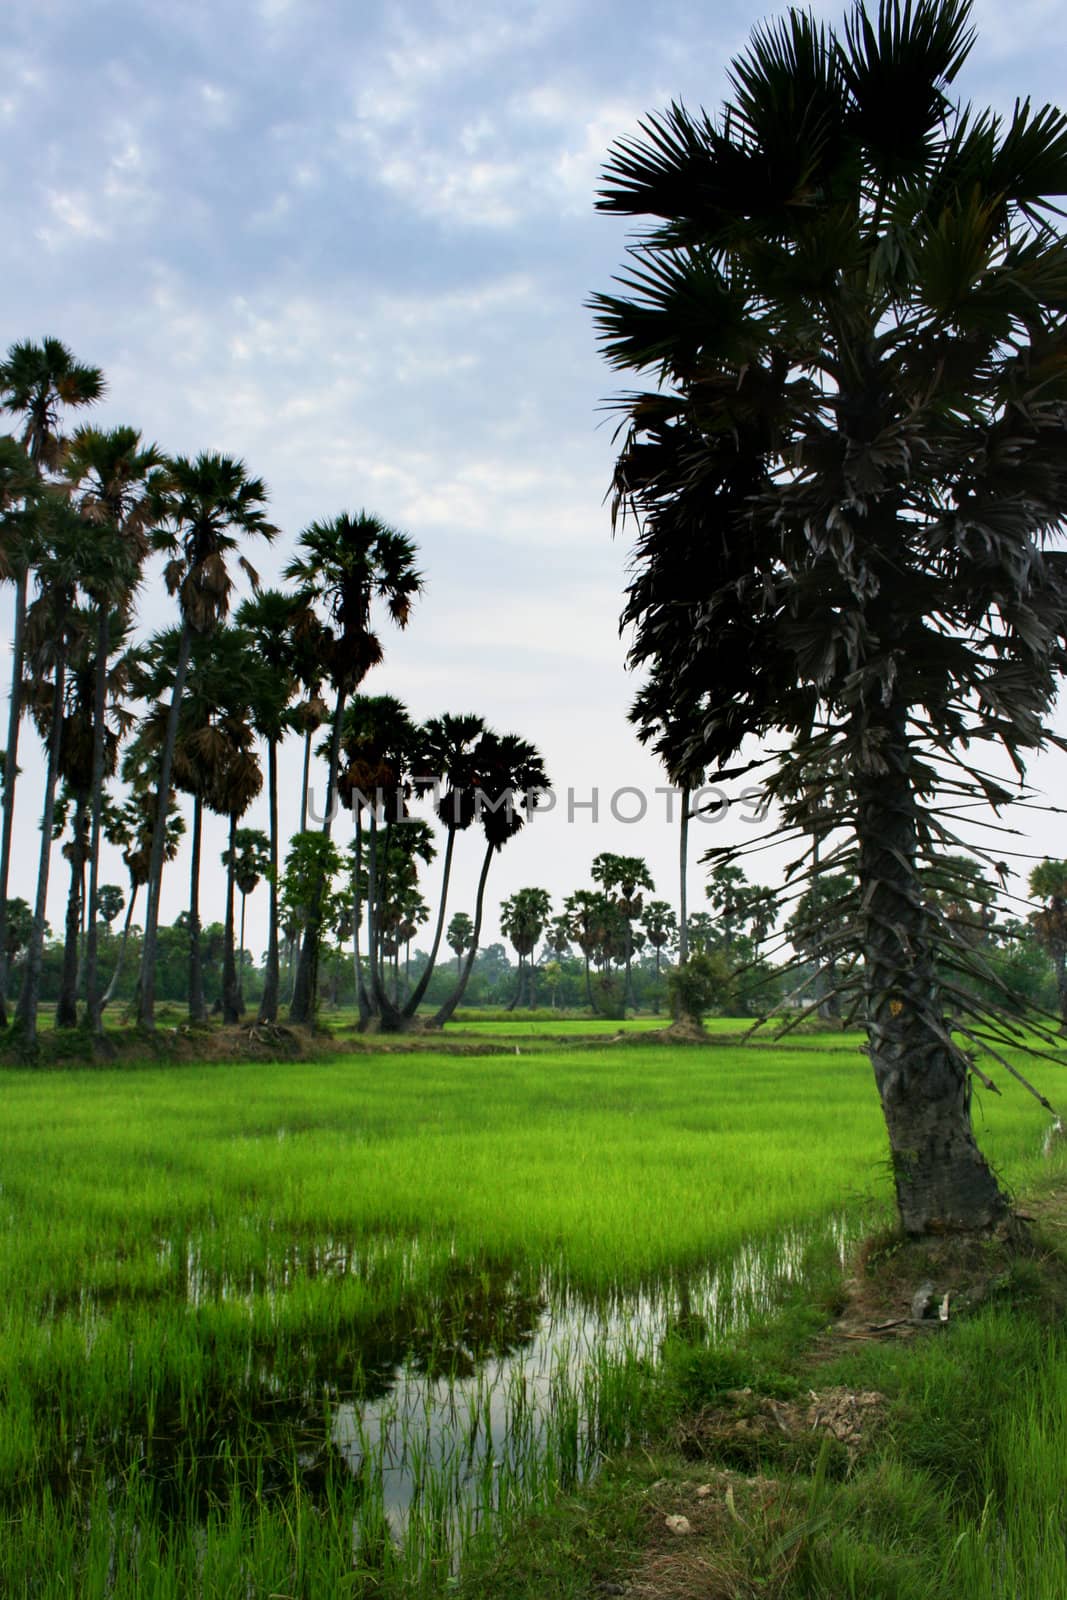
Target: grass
(205,1266)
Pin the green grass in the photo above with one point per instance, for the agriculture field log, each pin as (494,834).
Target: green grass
(200,1263)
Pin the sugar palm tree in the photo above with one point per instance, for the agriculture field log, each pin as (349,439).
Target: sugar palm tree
(1048,882)
(459,936)
(444,754)
(345,566)
(506,775)
(270,619)
(51,624)
(129,828)
(522,920)
(849,466)
(88,752)
(661,927)
(209,504)
(253,860)
(380,746)
(117,481)
(37,383)
(213,758)
(624,876)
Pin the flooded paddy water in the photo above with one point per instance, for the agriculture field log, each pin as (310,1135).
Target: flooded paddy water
(440,1418)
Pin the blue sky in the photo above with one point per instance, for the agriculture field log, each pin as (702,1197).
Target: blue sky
(352,244)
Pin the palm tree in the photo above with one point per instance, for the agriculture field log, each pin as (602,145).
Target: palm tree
(51,624)
(1048,882)
(88,752)
(849,294)
(209,503)
(661,928)
(444,755)
(506,775)
(213,759)
(269,619)
(459,936)
(522,920)
(130,828)
(346,565)
(253,860)
(117,480)
(627,874)
(36,382)
(581,910)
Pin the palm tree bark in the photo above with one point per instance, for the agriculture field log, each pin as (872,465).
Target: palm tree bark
(943,1182)
(147,982)
(10,773)
(197,1005)
(268,1005)
(92,940)
(445,1011)
(67,1003)
(231,1010)
(26,1015)
(306,779)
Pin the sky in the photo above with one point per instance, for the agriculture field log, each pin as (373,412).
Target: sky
(353,244)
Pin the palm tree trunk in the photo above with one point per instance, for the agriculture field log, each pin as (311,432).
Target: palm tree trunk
(268,1005)
(10,774)
(26,1015)
(304,783)
(424,981)
(513,1002)
(943,1183)
(379,999)
(197,1006)
(588,982)
(302,1008)
(531,978)
(445,1011)
(67,1003)
(683,874)
(241,960)
(231,1010)
(147,980)
(92,943)
(109,992)
(362,998)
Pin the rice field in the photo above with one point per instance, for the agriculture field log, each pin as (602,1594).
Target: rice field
(312,1328)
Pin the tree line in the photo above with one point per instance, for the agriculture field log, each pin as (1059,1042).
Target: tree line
(195,709)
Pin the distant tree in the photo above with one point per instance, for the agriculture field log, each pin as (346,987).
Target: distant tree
(624,877)
(661,929)
(251,863)
(460,936)
(110,900)
(1048,882)
(522,918)
(508,773)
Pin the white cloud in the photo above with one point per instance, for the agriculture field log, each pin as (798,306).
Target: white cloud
(73,217)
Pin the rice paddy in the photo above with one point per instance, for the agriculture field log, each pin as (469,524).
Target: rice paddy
(303,1328)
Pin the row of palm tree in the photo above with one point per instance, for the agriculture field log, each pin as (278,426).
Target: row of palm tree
(80,515)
